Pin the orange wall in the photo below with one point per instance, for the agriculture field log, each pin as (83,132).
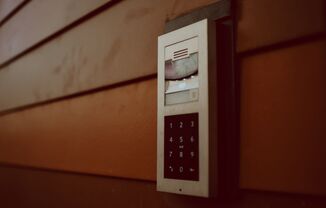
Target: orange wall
(283,119)
(111,131)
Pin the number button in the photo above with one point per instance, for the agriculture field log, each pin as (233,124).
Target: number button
(180,124)
(170,153)
(192,139)
(192,154)
(192,124)
(171,139)
(181,154)
(181,139)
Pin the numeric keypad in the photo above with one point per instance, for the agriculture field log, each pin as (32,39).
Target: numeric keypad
(181,146)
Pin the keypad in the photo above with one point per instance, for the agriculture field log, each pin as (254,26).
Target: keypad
(181,160)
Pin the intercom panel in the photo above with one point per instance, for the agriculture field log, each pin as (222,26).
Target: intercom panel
(186,125)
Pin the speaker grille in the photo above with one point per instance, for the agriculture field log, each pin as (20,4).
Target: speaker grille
(180,53)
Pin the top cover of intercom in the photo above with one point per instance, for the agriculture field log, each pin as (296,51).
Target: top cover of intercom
(186,119)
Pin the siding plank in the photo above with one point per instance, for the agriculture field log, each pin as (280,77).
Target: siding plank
(28,188)
(266,22)
(7,6)
(283,120)
(109,48)
(93,55)
(112,132)
(38,20)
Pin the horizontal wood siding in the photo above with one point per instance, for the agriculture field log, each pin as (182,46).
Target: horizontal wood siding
(97,53)
(283,119)
(7,7)
(110,129)
(93,55)
(38,189)
(267,22)
(113,132)
(38,20)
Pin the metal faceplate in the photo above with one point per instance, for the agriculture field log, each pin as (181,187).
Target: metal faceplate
(184,108)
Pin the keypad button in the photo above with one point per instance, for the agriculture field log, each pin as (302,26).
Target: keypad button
(192,154)
(181,154)
(170,153)
(181,146)
(192,139)
(192,124)
(181,139)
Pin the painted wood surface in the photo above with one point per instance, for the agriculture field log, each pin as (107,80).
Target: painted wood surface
(93,54)
(38,20)
(283,119)
(113,132)
(267,22)
(30,188)
(7,7)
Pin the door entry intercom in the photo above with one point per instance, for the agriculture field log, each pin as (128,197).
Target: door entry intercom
(197,117)
(187,110)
